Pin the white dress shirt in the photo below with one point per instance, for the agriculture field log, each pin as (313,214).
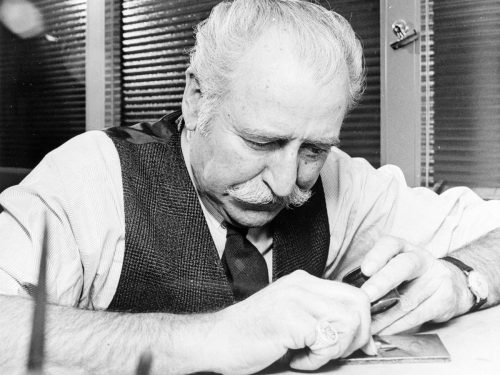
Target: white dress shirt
(76,191)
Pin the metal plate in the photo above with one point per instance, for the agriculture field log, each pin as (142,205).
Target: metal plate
(408,349)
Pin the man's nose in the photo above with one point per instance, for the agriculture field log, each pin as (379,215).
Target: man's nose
(281,172)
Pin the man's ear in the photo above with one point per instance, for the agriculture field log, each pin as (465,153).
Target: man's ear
(191,100)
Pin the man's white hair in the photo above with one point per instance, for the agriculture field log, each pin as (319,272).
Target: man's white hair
(325,42)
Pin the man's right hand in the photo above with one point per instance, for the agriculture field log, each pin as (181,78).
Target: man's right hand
(241,339)
(254,333)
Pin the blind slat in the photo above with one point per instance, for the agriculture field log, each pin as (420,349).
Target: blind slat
(467,92)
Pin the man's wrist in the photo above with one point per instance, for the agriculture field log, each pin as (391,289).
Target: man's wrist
(185,344)
(214,350)
(465,298)
(476,285)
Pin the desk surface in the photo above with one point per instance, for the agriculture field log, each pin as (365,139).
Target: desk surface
(473,342)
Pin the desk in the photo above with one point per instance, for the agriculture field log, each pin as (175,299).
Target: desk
(473,342)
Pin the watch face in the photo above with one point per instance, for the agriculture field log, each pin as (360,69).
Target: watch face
(478,285)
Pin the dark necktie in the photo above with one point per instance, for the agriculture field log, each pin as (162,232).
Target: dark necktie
(245,266)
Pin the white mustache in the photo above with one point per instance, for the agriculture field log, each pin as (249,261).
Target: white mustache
(256,192)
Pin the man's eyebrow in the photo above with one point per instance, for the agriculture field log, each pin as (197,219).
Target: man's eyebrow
(326,142)
(321,142)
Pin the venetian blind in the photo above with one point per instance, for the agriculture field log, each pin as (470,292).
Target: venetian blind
(42,84)
(157,34)
(467,92)
(360,135)
(156,37)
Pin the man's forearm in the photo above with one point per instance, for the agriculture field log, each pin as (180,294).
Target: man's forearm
(483,255)
(105,342)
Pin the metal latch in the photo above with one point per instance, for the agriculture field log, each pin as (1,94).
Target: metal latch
(404,33)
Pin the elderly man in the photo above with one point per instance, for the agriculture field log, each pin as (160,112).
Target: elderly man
(165,236)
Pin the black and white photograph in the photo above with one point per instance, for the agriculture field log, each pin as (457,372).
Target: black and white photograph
(273,187)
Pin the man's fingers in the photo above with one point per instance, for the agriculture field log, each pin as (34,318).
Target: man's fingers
(307,360)
(331,340)
(339,333)
(362,335)
(299,304)
(403,267)
(428,310)
(384,250)
(370,348)
(412,295)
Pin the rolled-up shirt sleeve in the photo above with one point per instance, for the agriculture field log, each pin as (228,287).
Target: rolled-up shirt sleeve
(443,223)
(365,204)
(76,193)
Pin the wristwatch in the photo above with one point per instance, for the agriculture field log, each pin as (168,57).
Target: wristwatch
(475,281)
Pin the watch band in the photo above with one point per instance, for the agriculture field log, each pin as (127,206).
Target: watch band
(464,267)
(467,270)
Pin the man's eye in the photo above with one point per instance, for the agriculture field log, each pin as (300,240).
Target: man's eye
(315,152)
(260,145)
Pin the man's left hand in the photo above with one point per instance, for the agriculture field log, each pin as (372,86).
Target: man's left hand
(433,289)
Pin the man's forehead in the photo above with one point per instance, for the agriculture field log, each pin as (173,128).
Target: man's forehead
(271,73)
(286,92)
(275,53)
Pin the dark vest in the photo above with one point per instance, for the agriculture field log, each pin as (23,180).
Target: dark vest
(171,263)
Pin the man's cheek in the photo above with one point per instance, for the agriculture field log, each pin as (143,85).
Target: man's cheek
(308,175)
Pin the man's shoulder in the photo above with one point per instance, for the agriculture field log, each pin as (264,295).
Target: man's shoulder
(88,148)
(89,158)
(339,159)
(340,163)
(354,175)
